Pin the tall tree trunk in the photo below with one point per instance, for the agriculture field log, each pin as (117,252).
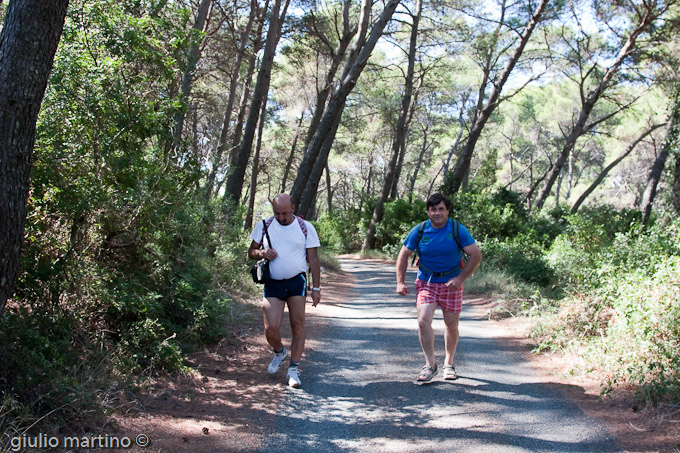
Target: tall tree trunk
(462,168)
(243,104)
(291,156)
(255,170)
(454,148)
(308,198)
(338,54)
(29,39)
(309,172)
(399,135)
(535,184)
(421,155)
(366,190)
(242,111)
(603,174)
(670,145)
(394,189)
(231,95)
(329,190)
(312,153)
(316,155)
(237,174)
(394,193)
(557,191)
(188,76)
(589,101)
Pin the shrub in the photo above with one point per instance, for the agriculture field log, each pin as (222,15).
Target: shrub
(51,375)
(495,213)
(341,231)
(632,293)
(400,217)
(646,309)
(146,346)
(519,257)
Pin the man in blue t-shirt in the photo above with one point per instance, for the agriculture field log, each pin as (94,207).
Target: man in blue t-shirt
(440,279)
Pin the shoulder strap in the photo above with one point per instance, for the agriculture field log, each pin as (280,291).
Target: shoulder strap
(456,233)
(419,236)
(302,224)
(456,236)
(265,224)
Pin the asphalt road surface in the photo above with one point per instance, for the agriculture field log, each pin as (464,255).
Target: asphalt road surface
(358,391)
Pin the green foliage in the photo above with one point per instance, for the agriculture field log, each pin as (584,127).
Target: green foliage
(625,319)
(490,214)
(123,258)
(520,257)
(145,345)
(340,232)
(47,371)
(400,217)
(34,343)
(125,263)
(588,238)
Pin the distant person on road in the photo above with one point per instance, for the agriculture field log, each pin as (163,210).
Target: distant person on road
(439,243)
(294,241)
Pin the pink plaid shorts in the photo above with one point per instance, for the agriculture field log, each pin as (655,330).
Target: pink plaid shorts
(440,294)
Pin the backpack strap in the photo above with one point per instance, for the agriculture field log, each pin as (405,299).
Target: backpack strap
(456,233)
(265,224)
(303,225)
(456,236)
(419,236)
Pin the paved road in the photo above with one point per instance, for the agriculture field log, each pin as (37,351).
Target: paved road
(358,392)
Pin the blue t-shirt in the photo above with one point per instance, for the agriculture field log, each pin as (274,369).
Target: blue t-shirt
(438,249)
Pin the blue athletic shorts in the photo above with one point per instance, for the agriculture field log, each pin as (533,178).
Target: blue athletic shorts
(283,289)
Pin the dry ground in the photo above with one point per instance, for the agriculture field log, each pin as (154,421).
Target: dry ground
(226,403)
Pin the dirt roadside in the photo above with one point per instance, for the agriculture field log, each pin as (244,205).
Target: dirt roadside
(227,402)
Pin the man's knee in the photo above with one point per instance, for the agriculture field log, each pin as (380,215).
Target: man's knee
(452,329)
(271,331)
(298,329)
(297,323)
(424,324)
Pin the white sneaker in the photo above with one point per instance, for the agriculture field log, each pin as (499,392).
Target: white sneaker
(276,362)
(293,377)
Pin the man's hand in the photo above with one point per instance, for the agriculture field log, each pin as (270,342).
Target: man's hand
(316,298)
(454,283)
(402,265)
(269,254)
(402,289)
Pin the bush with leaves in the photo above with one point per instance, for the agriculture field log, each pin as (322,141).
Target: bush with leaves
(520,256)
(626,321)
(123,258)
(490,214)
(400,217)
(589,237)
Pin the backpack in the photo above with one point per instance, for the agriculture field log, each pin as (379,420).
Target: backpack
(301,222)
(456,237)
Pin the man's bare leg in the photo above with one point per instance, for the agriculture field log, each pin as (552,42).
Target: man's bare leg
(451,339)
(296,311)
(425,331)
(272,309)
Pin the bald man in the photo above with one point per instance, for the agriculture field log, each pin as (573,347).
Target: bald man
(294,246)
